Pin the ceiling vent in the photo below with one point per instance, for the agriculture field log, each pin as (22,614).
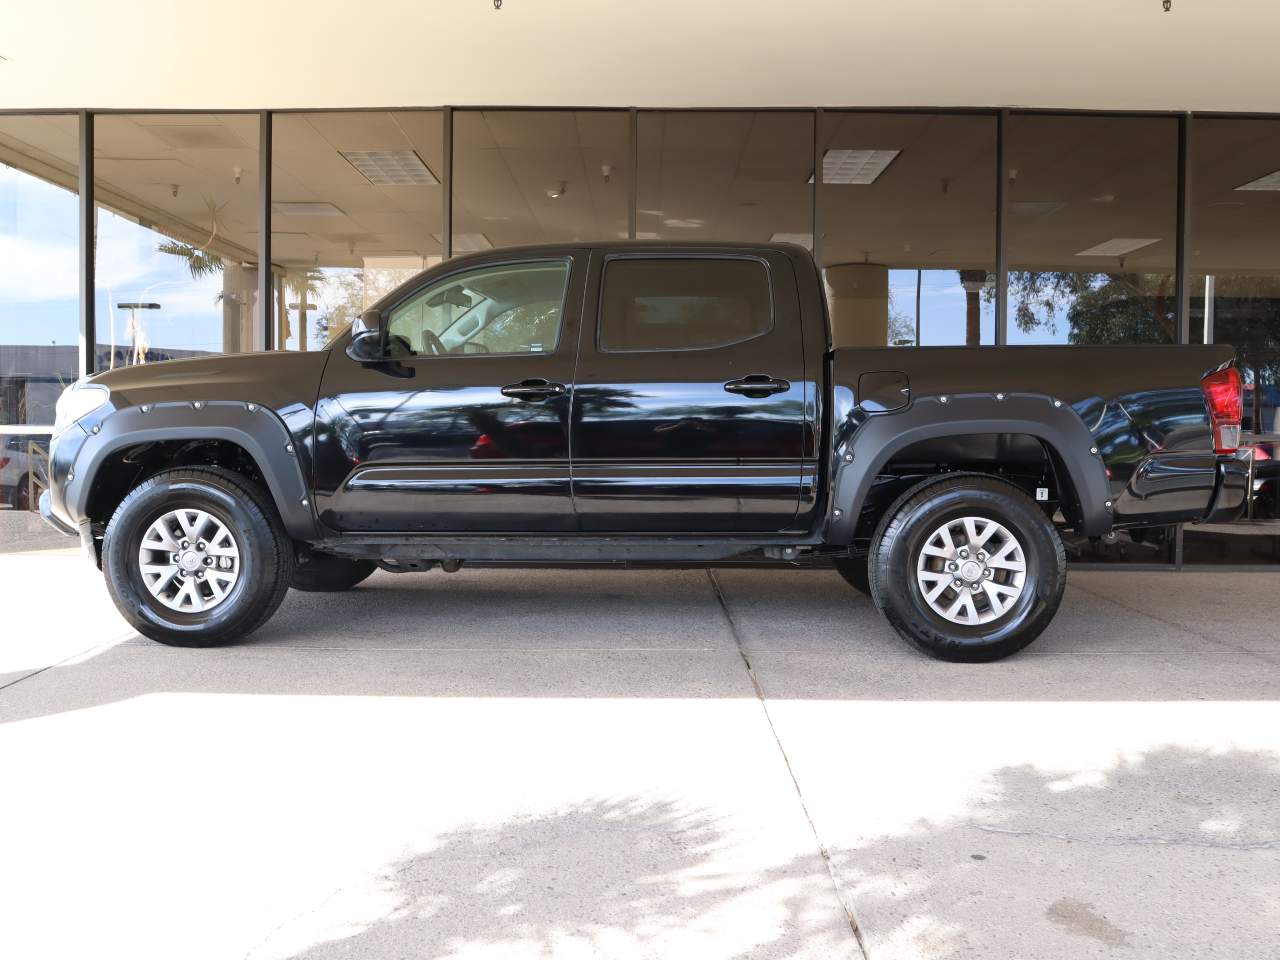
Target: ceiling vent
(859,167)
(391,168)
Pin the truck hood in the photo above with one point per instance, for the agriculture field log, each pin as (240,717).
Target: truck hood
(277,380)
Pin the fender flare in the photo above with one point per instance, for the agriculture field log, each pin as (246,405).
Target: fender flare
(865,442)
(255,428)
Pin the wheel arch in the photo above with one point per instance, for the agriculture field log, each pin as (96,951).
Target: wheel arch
(137,442)
(866,444)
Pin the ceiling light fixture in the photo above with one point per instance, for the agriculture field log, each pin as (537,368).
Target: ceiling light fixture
(800,239)
(305,208)
(466,242)
(391,168)
(1270,181)
(858,167)
(1118,247)
(559,190)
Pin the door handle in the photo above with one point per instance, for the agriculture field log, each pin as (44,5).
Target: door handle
(533,391)
(757,386)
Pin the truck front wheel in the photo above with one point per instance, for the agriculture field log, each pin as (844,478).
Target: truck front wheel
(967,569)
(196,557)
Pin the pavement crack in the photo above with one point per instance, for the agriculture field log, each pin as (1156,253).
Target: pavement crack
(1139,841)
(845,902)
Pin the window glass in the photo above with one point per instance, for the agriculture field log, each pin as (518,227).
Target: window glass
(511,308)
(39,271)
(176,250)
(1234,259)
(692,304)
(1092,228)
(739,175)
(539,176)
(356,210)
(907,205)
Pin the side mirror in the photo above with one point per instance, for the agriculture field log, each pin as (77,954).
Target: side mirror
(367,341)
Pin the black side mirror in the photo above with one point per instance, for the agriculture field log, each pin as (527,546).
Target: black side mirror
(368,343)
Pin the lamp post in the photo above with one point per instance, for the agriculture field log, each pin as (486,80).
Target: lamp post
(136,334)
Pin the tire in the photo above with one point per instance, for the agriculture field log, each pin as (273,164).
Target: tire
(327,574)
(854,571)
(243,531)
(977,623)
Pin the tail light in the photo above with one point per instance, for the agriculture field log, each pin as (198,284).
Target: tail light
(1224,393)
(4,462)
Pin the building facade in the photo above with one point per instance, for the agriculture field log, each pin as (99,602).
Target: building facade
(1083,176)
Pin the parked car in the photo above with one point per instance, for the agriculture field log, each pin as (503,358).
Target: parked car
(21,473)
(645,402)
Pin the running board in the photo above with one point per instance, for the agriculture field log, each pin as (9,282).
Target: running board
(576,549)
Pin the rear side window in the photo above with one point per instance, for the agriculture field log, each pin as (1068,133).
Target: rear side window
(693,304)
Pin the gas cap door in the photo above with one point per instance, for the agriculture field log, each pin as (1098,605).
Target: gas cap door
(882,391)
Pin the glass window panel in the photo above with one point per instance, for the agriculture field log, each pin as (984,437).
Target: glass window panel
(1092,228)
(504,309)
(721,175)
(1234,262)
(176,248)
(908,214)
(356,210)
(539,176)
(683,304)
(39,270)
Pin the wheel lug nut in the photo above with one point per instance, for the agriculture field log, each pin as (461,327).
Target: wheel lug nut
(208,561)
(981,555)
(200,545)
(185,544)
(957,584)
(952,566)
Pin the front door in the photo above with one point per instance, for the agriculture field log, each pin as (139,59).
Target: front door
(689,402)
(467,431)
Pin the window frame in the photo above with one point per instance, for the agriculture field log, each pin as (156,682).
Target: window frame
(726,256)
(566,259)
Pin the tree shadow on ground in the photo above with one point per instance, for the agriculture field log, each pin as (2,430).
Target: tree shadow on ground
(622,878)
(1173,852)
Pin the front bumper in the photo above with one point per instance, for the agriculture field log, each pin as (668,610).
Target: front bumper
(46,511)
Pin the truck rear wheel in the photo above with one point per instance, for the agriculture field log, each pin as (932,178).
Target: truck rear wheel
(196,557)
(967,569)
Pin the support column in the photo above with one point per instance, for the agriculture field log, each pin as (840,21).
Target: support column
(973,281)
(859,304)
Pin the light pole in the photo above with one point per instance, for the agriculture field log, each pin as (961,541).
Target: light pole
(135,331)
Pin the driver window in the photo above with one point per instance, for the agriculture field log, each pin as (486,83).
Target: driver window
(502,309)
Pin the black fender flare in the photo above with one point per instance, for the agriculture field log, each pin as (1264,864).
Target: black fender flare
(865,442)
(254,427)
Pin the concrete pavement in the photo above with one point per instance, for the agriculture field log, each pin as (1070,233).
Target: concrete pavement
(507,763)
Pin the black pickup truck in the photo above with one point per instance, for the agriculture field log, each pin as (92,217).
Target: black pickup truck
(635,403)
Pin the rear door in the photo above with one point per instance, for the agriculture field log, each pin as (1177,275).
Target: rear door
(688,406)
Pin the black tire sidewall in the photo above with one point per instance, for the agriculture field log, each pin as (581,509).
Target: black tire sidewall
(250,528)
(897,590)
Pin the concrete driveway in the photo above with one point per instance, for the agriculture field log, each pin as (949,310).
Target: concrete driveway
(570,764)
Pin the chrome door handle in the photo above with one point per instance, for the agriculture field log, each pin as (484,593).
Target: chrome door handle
(757,386)
(533,391)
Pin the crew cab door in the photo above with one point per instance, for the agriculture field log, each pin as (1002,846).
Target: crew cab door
(689,402)
(467,430)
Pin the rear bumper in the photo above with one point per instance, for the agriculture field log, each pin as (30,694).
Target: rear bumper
(1231,491)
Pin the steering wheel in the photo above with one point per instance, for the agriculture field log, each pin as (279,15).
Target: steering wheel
(434,345)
